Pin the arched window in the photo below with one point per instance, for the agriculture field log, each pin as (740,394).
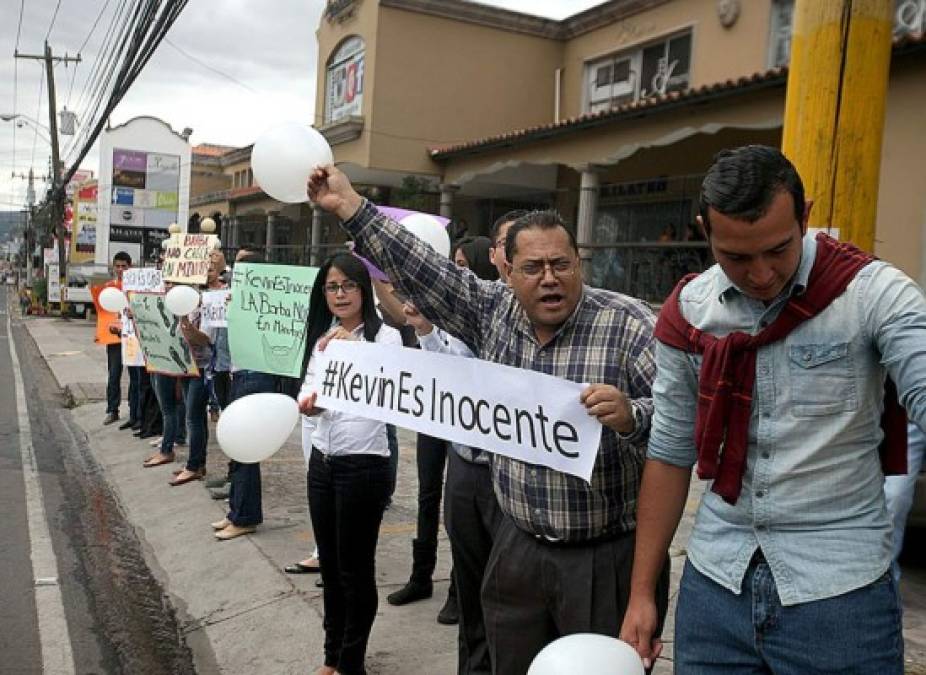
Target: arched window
(344,81)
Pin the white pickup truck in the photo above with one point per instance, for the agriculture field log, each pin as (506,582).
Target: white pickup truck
(80,302)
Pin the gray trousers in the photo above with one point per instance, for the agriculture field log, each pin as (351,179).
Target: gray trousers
(535,592)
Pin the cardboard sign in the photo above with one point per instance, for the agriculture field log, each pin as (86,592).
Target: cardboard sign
(166,350)
(186,260)
(213,306)
(267,316)
(142,280)
(522,414)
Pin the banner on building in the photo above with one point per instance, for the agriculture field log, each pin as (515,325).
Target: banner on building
(522,414)
(166,350)
(186,260)
(267,317)
(83,236)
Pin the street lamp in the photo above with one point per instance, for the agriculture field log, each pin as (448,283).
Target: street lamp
(22,120)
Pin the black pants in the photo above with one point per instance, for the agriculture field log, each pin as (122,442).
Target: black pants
(151,422)
(431,456)
(222,386)
(471,516)
(347,498)
(535,592)
(114,379)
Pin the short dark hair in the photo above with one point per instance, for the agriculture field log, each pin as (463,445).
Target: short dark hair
(741,184)
(476,252)
(509,217)
(544,220)
(123,257)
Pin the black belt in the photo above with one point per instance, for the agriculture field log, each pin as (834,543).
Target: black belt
(578,543)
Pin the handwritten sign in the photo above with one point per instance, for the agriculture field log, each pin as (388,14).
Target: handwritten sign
(186,259)
(165,349)
(267,315)
(522,414)
(142,280)
(213,307)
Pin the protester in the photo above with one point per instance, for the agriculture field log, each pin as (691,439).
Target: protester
(134,361)
(245,496)
(498,234)
(349,476)
(219,371)
(899,491)
(780,353)
(121,262)
(561,560)
(471,513)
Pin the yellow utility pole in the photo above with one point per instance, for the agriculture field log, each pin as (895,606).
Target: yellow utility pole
(834,110)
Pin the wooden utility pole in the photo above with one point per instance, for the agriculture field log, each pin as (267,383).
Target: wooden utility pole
(57,190)
(834,110)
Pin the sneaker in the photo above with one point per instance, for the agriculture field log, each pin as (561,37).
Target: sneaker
(110,418)
(222,492)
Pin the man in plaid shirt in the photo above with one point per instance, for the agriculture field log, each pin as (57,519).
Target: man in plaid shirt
(562,557)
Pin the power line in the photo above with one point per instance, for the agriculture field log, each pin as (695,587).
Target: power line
(53,17)
(19,28)
(208,67)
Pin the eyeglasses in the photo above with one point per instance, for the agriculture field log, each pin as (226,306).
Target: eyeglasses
(561,268)
(346,286)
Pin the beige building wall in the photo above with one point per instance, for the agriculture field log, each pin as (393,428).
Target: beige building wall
(717,53)
(457,81)
(900,236)
(330,35)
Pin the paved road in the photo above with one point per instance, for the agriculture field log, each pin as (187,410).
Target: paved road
(75,595)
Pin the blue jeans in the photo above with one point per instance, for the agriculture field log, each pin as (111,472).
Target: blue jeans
(165,389)
(196,396)
(114,377)
(898,491)
(245,505)
(717,631)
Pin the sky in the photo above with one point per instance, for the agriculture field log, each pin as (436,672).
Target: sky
(228,69)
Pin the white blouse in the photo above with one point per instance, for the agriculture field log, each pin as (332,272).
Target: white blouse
(337,433)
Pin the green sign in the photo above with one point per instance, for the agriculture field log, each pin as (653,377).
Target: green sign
(166,350)
(267,317)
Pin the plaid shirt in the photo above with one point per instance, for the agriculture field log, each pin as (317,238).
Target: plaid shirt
(607,340)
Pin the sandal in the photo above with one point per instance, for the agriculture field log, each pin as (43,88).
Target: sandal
(300,568)
(187,476)
(157,460)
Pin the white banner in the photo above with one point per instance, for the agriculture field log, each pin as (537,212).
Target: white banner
(529,416)
(142,280)
(214,304)
(54,282)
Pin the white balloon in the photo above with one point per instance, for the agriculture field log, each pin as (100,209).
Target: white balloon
(589,654)
(254,427)
(181,300)
(429,230)
(113,300)
(284,157)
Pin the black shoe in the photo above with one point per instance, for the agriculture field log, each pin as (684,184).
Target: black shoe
(128,424)
(319,583)
(146,434)
(110,418)
(449,614)
(411,592)
(136,427)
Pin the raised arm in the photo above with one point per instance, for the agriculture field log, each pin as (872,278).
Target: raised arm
(451,297)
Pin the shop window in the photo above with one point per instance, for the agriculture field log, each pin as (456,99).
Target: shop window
(656,69)
(344,80)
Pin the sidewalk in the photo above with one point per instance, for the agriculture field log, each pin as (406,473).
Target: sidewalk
(240,613)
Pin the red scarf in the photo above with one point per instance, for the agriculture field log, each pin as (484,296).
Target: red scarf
(728,370)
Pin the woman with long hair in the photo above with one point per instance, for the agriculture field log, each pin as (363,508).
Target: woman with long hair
(349,478)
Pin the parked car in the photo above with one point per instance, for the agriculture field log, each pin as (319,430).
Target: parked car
(80,302)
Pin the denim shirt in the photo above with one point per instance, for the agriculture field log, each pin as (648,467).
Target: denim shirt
(813,491)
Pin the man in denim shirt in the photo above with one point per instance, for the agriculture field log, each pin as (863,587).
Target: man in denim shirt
(790,575)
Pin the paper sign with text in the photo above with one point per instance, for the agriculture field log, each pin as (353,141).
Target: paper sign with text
(142,280)
(267,315)
(186,259)
(214,305)
(522,414)
(166,350)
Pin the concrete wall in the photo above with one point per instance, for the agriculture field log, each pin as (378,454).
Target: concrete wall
(900,236)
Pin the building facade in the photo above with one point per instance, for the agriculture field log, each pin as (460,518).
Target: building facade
(611,116)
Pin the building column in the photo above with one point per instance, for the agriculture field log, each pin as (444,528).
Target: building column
(447,191)
(588,212)
(269,239)
(316,234)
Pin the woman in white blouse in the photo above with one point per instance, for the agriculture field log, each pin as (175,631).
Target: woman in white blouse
(349,479)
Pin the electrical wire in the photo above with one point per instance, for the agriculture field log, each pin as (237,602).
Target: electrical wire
(53,18)
(212,68)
